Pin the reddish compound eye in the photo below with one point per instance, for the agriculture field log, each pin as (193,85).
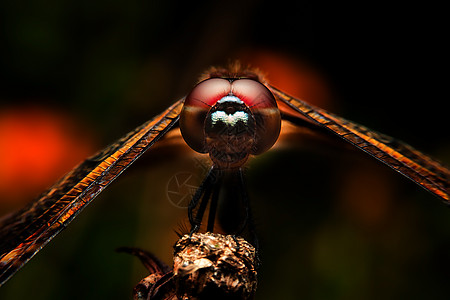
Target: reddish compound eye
(196,107)
(265,111)
(230,119)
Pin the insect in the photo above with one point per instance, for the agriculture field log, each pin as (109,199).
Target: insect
(231,114)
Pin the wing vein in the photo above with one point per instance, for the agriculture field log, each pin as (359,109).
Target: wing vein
(411,163)
(24,233)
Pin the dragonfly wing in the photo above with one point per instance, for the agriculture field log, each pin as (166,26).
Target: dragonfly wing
(25,232)
(403,158)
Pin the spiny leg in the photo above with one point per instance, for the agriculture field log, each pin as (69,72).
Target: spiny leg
(203,193)
(201,210)
(248,217)
(242,191)
(210,189)
(213,205)
(197,196)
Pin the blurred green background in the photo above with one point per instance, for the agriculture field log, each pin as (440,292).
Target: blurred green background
(333,223)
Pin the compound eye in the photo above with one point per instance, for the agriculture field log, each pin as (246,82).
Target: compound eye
(196,106)
(265,111)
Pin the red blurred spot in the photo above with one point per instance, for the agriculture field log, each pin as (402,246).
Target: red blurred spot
(37,146)
(292,75)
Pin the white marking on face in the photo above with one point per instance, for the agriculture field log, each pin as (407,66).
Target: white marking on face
(230,120)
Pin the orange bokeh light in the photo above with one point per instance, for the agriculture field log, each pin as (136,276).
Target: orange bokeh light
(290,74)
(37,146)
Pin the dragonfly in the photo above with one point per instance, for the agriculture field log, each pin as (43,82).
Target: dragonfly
(232,113)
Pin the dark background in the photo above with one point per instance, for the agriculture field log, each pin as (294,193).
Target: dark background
(333,224)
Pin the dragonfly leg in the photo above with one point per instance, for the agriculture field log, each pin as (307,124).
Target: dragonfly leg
(197,220)
(213,206)
(248,216)
(202,195)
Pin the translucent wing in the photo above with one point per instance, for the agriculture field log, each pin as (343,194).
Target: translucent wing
(24,233)
(406,160)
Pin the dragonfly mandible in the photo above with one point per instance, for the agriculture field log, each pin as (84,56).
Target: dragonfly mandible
(230,97)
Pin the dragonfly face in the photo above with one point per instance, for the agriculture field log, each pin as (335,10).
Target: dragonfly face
(230,118)
(232,114)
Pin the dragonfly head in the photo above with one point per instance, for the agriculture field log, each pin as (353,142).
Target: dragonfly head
(230,118)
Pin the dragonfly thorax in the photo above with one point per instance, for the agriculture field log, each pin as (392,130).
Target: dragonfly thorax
(230,118)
